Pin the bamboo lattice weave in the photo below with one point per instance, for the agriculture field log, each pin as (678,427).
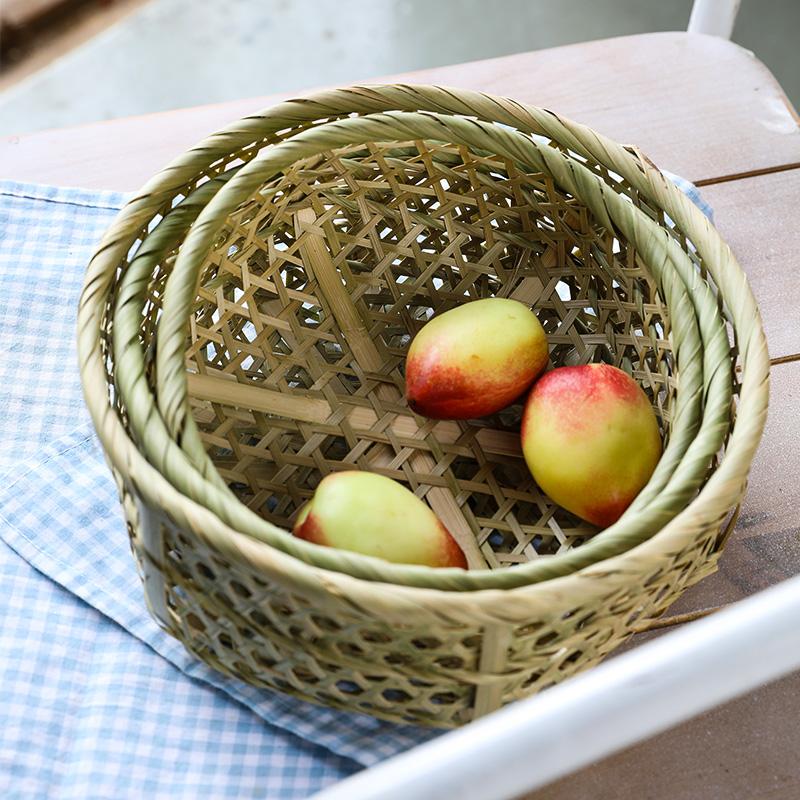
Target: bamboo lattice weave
(292,375)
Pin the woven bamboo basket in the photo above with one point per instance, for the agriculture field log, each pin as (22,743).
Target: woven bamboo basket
(503,535)
(407,653)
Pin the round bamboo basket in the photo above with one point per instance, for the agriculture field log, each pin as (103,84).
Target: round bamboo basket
(494,532)
(405,653)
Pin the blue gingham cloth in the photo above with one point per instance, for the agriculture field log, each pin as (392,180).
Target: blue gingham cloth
(95,700)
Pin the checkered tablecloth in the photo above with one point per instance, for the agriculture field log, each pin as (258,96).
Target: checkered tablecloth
(95,700)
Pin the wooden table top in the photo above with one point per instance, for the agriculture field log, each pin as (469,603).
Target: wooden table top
(718,117)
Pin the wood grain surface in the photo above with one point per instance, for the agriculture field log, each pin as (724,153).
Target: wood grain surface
(758,217)
(716,111)
(743,750)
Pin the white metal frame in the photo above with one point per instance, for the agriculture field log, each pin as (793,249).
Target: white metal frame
(629,698)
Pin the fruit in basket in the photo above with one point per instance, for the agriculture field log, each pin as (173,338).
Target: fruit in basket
(590,439)
(376,516)
(475,359)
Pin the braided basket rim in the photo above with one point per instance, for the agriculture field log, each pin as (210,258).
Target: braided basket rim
(174,400)
(720,494)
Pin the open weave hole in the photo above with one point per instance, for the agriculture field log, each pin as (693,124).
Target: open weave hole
(413,229)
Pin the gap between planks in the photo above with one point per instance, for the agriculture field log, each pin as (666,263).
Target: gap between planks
(755,173)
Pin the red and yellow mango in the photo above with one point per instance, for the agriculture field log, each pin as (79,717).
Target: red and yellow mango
(590,439)
(475,359)
(369,514)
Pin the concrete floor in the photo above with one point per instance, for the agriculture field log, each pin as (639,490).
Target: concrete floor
(174,53)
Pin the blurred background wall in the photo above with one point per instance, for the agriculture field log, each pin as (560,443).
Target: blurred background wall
(99,59)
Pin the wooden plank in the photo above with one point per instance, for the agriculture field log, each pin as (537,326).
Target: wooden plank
(765,546)
(757,217)
(716,111)
(743,750)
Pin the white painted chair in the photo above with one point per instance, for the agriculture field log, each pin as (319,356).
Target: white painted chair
(714,17)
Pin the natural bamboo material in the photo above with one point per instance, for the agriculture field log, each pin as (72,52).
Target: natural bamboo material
(424,655)
(318,261)
(684,437)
